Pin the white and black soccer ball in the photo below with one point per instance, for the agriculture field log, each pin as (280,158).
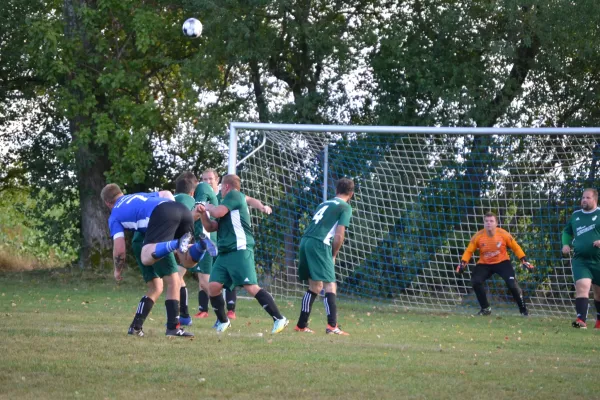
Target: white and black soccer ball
(192,28)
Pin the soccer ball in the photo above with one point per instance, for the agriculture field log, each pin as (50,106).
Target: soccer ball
(192,28)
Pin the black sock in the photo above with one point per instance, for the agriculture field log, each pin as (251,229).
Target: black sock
(597,304)
(183,302)
(307,302)
(172,307)
(266,301)
(202,301)
(481,296)
(517,295)
(231,297)
(218,305)
(331,309)
(142,312)
(581,307)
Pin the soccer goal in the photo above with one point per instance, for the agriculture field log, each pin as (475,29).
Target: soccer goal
(421,194)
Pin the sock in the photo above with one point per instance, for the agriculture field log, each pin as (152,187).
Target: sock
(331,309)
(202,301)
(307,302)
(164,248)
(517,295)
(196,252)
(581,307)
(172,307)
(183,302)
(266,301)
(481,296)
(231,297)
(597,304)
(142,312)
(218,304)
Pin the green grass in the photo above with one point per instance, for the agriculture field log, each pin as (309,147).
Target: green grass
(63,337)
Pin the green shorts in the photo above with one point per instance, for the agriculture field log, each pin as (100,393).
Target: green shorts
(204,266)
(234,269)
(585,269)
(316,261)
(163,267)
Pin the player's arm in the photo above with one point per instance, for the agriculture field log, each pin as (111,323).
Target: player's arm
(255,203)
(217,211)
(466,257)
(208,224)
(514,246)
(567,238)
(338,240)
(166,194)
(119,256)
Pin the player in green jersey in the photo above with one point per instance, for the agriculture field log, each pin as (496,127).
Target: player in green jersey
(583,233)
(210,178)
(234,265)
(317,255)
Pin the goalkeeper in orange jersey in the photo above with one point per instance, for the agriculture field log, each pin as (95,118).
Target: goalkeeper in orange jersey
(492,243)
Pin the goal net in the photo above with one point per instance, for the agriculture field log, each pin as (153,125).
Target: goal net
(421,194)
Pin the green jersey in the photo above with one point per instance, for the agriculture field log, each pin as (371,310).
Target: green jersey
(329,215)
(205,194)
(186,200)
(235,228)
(582,230)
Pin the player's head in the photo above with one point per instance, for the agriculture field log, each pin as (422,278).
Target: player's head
(490,221)
(211,177)
(589,200)
(186,186)
(230,182)
(187,175)
(344,187)
(110,193)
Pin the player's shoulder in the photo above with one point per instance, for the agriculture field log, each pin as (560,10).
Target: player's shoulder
(580,211)
(503,233)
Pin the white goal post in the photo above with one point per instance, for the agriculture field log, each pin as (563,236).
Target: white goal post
(421,193)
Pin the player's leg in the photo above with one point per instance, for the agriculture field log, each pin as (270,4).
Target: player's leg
(331,309)
(173,282)
(507,272)
(582,275)
(203,295)
(596,289)
(231,299)
(184,313)
(155,288)
(314,287)
(480,274)
(203,268)
(170,228)
(219,277)
(242,271)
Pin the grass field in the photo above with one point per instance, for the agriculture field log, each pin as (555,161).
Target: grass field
(63,336)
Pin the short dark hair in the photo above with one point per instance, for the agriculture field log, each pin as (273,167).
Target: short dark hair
(344,186)
(187,175)
(491,214)
(184,185)
(594,192)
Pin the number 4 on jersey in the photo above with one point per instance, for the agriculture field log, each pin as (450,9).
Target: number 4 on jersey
(319,215)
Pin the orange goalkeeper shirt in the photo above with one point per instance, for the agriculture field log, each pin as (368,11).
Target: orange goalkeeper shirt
(492,249)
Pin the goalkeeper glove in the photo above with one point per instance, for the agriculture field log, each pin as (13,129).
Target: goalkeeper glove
(525,264)
(461,267)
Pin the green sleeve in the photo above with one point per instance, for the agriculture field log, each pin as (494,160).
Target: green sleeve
(233,200)
(567,234)
(345,217)
(186,200)
(204,194)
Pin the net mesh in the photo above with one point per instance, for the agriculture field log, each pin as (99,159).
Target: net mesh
(418,201)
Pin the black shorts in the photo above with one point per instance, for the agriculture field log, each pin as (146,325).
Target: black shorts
(482,272)
(169,220)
